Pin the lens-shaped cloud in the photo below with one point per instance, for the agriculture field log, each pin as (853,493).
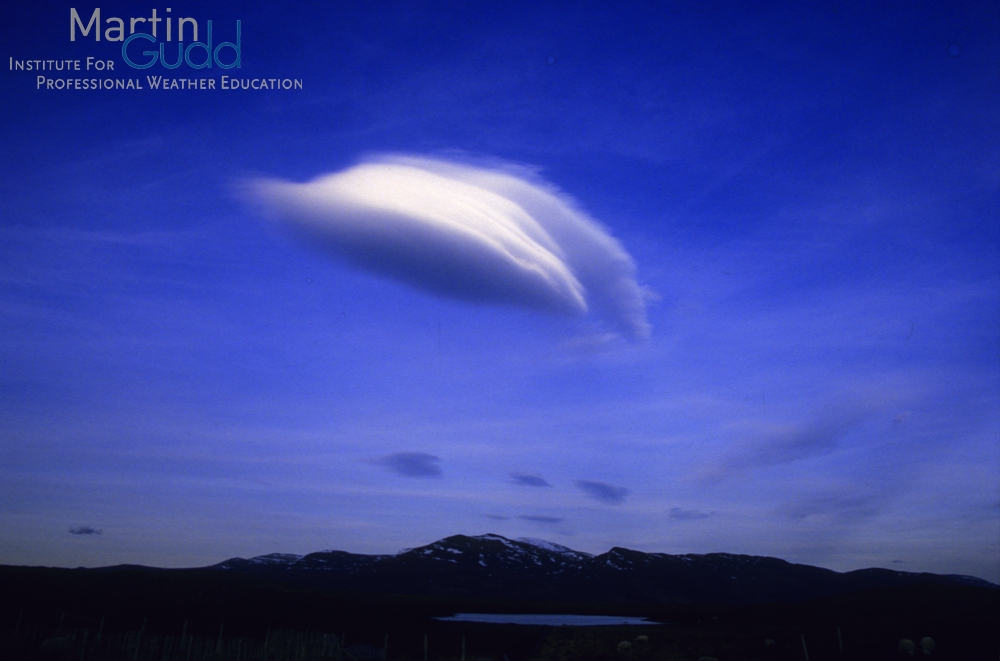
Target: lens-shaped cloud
(490,235)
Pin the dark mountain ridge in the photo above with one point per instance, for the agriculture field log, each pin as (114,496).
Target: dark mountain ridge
(494,567)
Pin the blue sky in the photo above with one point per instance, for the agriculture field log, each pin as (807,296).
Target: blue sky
(801,203)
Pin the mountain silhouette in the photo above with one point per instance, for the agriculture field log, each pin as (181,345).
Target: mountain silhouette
(494,567)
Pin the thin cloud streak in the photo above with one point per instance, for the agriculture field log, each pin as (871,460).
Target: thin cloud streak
(485,235)
(541,519)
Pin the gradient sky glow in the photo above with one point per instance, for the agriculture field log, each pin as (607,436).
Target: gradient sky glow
(681,277)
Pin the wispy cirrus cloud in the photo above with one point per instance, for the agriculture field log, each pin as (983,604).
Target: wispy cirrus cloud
(603,491)
(840,507)
(411,464)
(483,234)
(788,443)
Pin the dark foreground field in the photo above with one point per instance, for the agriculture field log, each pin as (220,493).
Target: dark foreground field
(148,614)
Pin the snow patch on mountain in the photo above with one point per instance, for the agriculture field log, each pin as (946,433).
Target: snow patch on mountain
(496,538)
(275,559)
(551,546)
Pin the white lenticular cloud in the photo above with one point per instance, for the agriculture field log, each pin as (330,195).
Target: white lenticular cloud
(479,234)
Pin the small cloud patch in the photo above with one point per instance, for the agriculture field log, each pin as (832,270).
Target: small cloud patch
(85,530)
(529,480)
(412,464)
(603,491)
